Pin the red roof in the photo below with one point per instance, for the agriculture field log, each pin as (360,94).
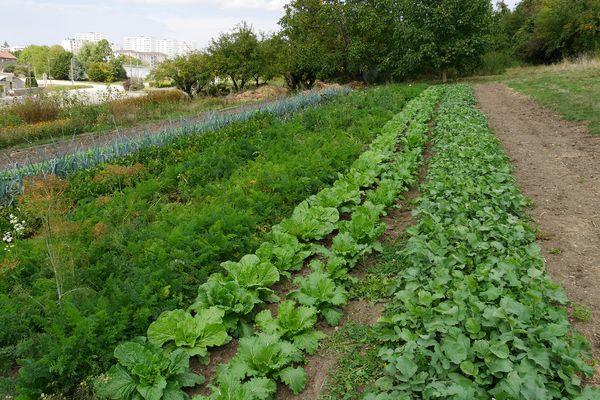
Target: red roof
(5,55)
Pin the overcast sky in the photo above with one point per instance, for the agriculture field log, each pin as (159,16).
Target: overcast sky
(48,21)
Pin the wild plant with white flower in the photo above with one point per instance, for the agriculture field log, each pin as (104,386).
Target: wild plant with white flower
(18,228)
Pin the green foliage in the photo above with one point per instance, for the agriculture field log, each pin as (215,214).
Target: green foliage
(229,296)
(309,222)
(194,334)
(189,73)
(582,313)
(444,35)
(145,372)
(294,324)
(544,31)
(230,388)
(203,199)
(98,52)
(320,291)
(266,356)
(99,72)
(60,66)
(117,71)
(284,251)
(255,275)
(235,55)
(474,314)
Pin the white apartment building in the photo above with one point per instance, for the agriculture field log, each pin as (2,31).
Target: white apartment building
(93,37)
(74,44)
(144,44)
(169,47)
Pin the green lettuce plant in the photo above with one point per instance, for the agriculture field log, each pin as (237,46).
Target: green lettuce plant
(193,334)
(145,372)
(293,323)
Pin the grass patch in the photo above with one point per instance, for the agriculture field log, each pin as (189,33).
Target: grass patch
(571,89)
(357,366)
(61,88)
(582,313)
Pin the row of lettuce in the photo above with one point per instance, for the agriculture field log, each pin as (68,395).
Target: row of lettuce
(11,180)
(330,232)
(475,316)
(136,237)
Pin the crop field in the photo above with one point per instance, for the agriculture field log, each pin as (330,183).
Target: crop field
(230,262)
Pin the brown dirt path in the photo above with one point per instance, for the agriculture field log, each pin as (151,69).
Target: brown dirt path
(557,165)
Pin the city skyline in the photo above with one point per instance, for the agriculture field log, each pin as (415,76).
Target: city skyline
(185,20)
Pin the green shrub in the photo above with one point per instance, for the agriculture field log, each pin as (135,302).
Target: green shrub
(496,62)
(99,72)
(36,109)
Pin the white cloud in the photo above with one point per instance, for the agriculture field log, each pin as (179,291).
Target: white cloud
(266,5)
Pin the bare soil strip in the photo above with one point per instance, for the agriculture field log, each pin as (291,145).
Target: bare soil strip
(557,165)
(43,152)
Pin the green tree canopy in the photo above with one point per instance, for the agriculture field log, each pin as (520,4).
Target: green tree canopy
(236,55)
(60,66)
(99,72)
(190,73)
(444,34)
(99,52)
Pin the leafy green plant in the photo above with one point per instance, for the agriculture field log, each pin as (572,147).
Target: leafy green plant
(342,193)
(293,323)
(235,301)
(145,372)
(582,313)
(474,314)
(229,388)
(267,356)
(284,251)
(253,274)
(320,291)
(192,334)
(364,227)
(309,223)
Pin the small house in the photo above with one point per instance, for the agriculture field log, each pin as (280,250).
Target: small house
(9,82)
(6,59)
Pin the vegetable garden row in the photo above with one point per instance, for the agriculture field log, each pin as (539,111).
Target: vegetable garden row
(104,251)
(475,316)
(271,348)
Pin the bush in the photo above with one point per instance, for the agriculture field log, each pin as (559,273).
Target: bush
(99,72)
(36,109)
(10,68)
(496,62)
(133,84)
(26,133)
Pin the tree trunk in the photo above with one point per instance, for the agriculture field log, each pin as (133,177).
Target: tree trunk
(444,76)
(235,85)
(256,78)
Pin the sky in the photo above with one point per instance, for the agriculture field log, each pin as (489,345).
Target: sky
(49,21)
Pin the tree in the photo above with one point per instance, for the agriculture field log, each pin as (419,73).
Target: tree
(444,34)
(37,58)
(236,55)
(117,70)
(60,66)
(99,72)
(189,73)
(306,32)
(567,28)
(99,52)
